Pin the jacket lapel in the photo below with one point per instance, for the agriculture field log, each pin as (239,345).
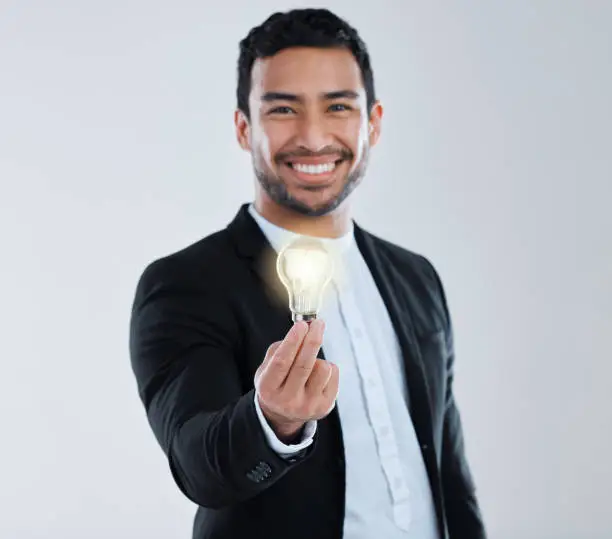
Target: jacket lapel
(253,246)
(391,285)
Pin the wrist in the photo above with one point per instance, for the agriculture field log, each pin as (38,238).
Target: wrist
(286,431)
(289,434)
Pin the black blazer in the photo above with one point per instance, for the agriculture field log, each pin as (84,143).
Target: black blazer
(202,320)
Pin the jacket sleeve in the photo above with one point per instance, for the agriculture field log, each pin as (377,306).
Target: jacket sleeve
(183,346)
(463,514)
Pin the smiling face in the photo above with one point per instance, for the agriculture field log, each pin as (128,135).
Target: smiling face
(309,131)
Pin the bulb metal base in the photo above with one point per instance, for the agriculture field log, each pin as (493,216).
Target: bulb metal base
(306,317)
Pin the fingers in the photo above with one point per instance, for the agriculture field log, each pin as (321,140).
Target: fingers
(319,378)
(306,358)
(282,358)
(269,354)
(331,388)
(292,383)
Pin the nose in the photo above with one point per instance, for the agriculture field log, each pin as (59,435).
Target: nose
(313,133)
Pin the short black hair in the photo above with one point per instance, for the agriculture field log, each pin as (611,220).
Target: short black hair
(300,28)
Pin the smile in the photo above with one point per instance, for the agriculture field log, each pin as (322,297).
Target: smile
(313,169)
(318,169)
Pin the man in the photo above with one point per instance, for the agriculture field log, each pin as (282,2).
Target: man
(270,436)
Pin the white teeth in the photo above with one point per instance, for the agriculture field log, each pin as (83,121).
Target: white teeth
(314,169)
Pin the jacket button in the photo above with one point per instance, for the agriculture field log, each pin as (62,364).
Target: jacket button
(253,476)
(260,472)
(264,466)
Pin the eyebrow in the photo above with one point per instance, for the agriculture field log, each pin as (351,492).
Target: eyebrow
(327,96)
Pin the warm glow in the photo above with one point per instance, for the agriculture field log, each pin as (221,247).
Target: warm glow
(305,268)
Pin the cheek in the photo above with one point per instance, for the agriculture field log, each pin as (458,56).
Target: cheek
(271,139)
(359,141)
(260,147)
(264,149)
(354,133)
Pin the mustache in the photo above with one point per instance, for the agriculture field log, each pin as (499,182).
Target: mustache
(341,153)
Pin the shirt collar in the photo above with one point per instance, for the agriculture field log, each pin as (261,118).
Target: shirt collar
(279,237)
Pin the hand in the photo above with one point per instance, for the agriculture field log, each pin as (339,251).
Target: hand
(294,386)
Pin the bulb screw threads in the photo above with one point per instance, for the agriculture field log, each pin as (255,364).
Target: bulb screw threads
(306,317)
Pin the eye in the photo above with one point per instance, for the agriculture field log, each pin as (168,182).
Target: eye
(339,107)
(281,110)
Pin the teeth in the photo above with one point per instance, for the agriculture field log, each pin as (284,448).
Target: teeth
(314,169)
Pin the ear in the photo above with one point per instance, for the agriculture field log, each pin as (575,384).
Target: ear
(243,130)
(374,124)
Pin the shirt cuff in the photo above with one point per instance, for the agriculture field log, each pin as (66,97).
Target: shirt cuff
(279,447)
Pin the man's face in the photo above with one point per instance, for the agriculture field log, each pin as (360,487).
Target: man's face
(309,131)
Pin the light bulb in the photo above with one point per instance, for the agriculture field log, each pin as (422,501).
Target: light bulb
(305,267)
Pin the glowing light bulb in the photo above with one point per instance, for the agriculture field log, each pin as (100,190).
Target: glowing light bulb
(305,267)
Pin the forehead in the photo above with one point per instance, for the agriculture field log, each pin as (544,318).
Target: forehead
(306,70)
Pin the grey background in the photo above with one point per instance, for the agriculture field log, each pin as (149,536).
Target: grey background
(117,146)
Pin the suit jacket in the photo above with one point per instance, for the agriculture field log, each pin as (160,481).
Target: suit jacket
(201,323)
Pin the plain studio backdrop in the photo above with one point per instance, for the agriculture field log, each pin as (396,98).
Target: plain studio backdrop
(117,147)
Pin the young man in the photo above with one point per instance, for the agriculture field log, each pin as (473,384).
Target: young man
(268,435)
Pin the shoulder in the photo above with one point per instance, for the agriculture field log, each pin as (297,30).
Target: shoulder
(416,264)
(201,263)
(403,257)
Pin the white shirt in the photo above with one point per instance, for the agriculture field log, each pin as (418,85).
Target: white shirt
(387,487)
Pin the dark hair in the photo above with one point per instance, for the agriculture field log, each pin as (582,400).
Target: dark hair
(300,28)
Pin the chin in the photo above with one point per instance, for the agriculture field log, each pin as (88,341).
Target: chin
(315,206)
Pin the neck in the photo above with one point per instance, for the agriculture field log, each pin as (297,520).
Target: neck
(332,225)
